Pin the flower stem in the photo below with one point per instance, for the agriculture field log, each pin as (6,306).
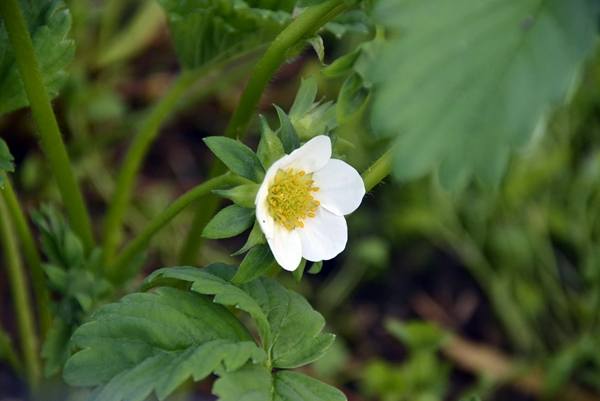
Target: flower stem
(45,120)
(133,160)
(307,23)
(20,296)
(120,267)
(378,170)
(32,257)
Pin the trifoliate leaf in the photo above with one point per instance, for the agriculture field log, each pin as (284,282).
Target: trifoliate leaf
(464,81)
(231,221)
(6,162)
(256,262)
(255,383)
(208,30)
(154,342)
(277,312)
(48,24)
(239,158)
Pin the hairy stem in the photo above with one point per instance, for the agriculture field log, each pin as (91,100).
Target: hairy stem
(306,25)
(378,170)
(138,244)
(20,296)
(45,120)
(31,255)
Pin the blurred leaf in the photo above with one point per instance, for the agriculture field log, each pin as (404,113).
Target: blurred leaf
(310,118)
(155,342)
(416,334)
(317,44)
(6,162)
(352,98)
(57,347)
(239,158)
(207,30)
(256,262)
(342,65)
(277,312)
(255,383)
(230,221)
(465,81)
(48,23)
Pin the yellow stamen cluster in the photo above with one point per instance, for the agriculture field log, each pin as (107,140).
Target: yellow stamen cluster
(290,199)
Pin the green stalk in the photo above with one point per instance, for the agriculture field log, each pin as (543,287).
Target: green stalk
(139,243)
(32,257)
(46,121)
(134,158)
(378,170)
(20,296)
(306,25)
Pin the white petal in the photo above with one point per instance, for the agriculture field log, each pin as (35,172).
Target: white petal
(310,157)
(265,220)
(324,236)
(341,189)
(286,247)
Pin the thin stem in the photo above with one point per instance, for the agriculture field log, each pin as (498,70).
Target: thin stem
(139,243)
(134,158)
(32,257)
(307,23)
(378,170)
(20,297)
(45,120)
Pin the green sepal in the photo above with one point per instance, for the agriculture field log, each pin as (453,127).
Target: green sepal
(352,98)
(299,271)
(256,262)
(270,148)
(255,383)
(239,158)
(289,137)
(256,237)
(342,65)
(304,97)
(6,162)
(242,195)
(310,118)
(316,267)
(317,43)
(230,221)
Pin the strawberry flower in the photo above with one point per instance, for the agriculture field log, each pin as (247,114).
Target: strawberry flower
(301,203)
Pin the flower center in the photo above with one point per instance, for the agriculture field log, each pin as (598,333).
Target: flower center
(290,199)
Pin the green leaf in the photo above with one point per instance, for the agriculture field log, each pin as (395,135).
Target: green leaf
(316,268)
(342,65)
(242,195)
(299,272)
(256,262)
(352,98)
(289,137)
(154,342)
(255,383)
(270,148)
(304,97)
(277,312)
(229,222)
(217,30)
(239,158)
(6,162)
(48,24)
(467,81)
(317,44)
(255,237)
(57,347)
(310,118)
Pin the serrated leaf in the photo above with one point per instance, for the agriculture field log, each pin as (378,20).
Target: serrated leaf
(289,137)
(270,148)
(239,158)
(352,98)
(242,195)
(215,30)
(277,312)
(467,81)
(154,342)
(256,262)
(48,24)
(6,162)
(230,221)
(255,383)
